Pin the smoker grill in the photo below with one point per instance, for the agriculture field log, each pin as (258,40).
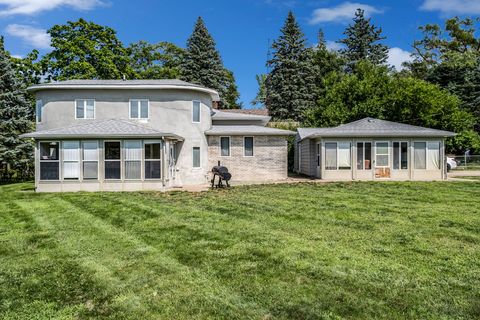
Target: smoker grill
(223,175)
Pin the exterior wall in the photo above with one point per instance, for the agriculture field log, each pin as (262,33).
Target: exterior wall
(170,111)
(308,152)
(269,161)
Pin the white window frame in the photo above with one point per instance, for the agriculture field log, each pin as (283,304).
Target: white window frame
(111,160)
(229,146)
(383,154)
(58,159)
(253,146)
(337,152)
(83,160)
(139,109)
(427,165)
(199,157)
(145,142)
(199,111)
(79,161)
(363,159)
(85,109)
(125,160)
(400,155)
(39,110)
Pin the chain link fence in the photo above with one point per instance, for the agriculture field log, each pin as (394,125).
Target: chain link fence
(467,162)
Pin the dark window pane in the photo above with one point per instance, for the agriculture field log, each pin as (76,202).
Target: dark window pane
(196,111)
(248,146)
(196,157)
(404,155)
(48,151)
(152,170)
(134,109)
(90,170)
(112,169)
(144,109)
(360,155)
(80,109)
(152,151)
(112,150)
(368,155)
(49,171)
(396,155)
(225,146)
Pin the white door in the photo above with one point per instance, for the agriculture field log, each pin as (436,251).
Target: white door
(382,160)
(318,159)
(172,161)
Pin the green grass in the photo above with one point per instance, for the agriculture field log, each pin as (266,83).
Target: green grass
(468,177)
(306,251)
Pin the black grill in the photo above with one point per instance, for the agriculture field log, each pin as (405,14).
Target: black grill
(222,174)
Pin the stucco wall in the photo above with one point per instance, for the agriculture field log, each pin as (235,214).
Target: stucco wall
(268,163)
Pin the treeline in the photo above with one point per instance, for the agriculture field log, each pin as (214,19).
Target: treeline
(439,88)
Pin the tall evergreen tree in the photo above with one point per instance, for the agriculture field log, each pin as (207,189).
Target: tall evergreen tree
(361,42)
(203,65)
(290,84)
(15,118)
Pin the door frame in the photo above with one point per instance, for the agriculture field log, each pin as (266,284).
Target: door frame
(388,166)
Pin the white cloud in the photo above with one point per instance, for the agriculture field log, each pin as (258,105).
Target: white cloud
(451,7)
(38,38)
(343,12)
(30,7)
(396,56)
(333,46)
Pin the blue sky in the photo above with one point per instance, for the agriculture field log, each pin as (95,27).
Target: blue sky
(241,28)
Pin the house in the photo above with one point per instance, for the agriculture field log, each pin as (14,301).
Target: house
(146,135)
(371,149)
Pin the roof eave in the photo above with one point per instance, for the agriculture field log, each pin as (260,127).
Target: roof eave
(100,136)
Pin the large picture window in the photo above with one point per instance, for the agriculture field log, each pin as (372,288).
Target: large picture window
(112,160)
(49,161)
(196,111)
(85,109)
(364,155)
(133,159)
(420,155)
(71,160)
(225,146)
(400,155)
(90,160)
(433,155)
(338,156)
(152,160)
(139,109)
(330,156)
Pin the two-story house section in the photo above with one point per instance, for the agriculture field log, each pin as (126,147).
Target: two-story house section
(146,135)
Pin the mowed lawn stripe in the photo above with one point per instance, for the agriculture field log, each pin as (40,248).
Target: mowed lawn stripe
(143,278)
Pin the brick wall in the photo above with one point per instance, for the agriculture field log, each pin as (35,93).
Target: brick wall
(268,163)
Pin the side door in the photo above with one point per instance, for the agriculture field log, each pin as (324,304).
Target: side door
(382,160)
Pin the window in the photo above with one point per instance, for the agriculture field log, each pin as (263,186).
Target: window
(90,160)
(85,109)
(433,155)
(400,155)
(49,162)
(152,160)
(330,156)
(196,111)
(196,157)
(344,158)
(133,159)
(381,154)
(248,146)
(420,155)
(138,109)
(225,146)
(38,110)
(364,155)
(112,160)
(71,160)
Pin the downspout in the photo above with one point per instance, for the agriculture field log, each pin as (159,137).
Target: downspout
(163,161)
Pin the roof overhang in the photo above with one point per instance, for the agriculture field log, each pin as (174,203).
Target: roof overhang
(43,136)
(247,130)
(445,134)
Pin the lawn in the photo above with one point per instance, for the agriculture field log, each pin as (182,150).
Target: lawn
(305,251)
(468,177)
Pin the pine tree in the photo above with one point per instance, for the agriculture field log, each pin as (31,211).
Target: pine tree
(361,42)
(203,65)
(15,118)
(290,85)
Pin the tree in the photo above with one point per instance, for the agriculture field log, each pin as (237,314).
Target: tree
(372,91)
(15,118)
(161,60)
(203,65)
(290,84)
(85,50)
(361,42)
(261,96)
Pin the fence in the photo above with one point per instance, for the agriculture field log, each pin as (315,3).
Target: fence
(470,162)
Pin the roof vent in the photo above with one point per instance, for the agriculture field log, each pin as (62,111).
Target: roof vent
(371,120)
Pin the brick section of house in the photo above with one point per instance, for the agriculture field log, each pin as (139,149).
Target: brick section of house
(270,160)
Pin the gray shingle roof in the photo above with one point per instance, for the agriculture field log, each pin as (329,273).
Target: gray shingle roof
(247,130)
(370,127)
(223,115)
(111,128)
